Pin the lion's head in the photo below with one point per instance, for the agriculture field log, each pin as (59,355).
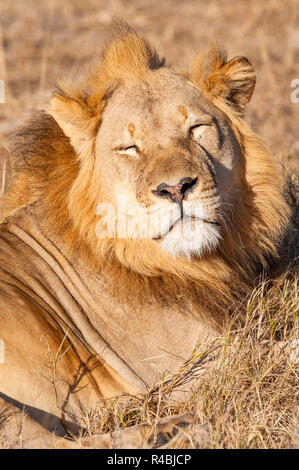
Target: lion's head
(168,163)
(162,174)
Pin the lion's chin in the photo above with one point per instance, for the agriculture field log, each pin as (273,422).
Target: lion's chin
(190,237)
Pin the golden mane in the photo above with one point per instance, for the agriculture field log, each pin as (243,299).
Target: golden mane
(50,173)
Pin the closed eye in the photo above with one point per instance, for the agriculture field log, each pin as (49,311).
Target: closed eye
(132,150)
(196,132)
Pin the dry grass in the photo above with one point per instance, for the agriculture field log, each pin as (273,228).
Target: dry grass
(248,397)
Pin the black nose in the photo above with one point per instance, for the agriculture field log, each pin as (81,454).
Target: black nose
(177,192)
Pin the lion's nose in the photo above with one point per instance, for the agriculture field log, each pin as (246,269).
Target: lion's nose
(176,192)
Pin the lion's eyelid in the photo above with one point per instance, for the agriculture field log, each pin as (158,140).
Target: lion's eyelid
(131,150)
(194,128)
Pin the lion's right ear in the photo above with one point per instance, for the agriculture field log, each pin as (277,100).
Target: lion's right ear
(232,81)
(76,118)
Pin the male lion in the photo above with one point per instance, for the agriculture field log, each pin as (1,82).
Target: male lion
(142,210)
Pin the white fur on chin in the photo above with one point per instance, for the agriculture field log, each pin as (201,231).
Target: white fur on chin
(191,237)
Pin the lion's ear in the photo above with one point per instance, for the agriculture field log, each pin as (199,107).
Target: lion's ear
(77,120)
(233,81)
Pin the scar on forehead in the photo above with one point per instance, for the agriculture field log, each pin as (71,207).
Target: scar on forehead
(131,129)
(183,111)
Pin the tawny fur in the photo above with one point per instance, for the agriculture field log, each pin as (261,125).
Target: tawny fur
(50,171)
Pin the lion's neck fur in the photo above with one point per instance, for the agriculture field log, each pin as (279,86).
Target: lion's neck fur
(49,173)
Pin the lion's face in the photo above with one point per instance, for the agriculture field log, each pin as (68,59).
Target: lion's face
(168,164)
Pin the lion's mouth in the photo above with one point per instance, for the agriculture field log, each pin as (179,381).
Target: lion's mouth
(186,218)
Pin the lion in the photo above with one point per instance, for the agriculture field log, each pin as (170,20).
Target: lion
(142,210)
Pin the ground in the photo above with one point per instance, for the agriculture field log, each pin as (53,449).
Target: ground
(41,40)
